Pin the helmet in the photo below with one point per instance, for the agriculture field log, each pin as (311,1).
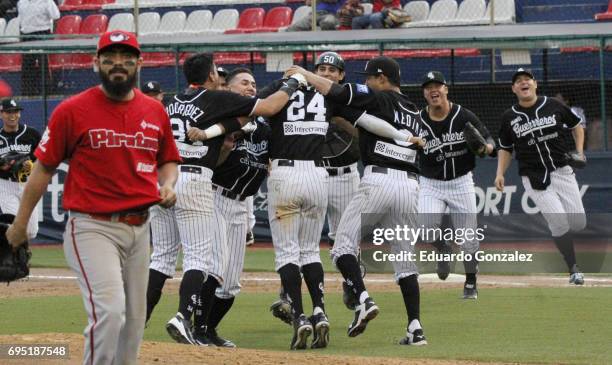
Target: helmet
(330,58)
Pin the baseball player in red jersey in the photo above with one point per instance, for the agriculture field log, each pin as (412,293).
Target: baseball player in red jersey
(120,146)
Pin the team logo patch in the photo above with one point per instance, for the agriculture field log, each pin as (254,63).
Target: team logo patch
(118,37)
(363,89)
(289,128)
(430,76)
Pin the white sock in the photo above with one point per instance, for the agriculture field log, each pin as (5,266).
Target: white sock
(364,295)
(414,325)
(317,310)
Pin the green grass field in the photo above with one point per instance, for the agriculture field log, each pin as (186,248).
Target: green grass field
(528,325)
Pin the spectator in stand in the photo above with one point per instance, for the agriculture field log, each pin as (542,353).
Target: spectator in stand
(379,13)
(348,12)
(326,16)
(35,22)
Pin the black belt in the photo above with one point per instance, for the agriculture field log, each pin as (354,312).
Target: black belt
(291,163)
(335,171)
(385,170)
(229,194)
(192,169)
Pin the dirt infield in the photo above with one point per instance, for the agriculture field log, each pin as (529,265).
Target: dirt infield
(64,283)
(174,354)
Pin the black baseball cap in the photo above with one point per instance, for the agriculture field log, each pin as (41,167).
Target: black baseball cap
(223,72)
(433,76)
(383,65)
(151,87)
(522,71)
(9,105)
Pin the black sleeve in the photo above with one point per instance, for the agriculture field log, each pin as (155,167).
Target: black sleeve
(346,112)
(471,117)
(269,89)
(506,142)
(361,97)
(567,115)
(230,105)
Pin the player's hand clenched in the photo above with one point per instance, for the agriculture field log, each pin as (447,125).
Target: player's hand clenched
(168,196)
(499,182)
(196,134)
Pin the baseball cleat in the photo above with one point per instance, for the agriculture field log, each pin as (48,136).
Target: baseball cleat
(443,267)
(348,297)
(217,340)
(250,238)
(201,339)
(321,331)
(576,277)
(180,330)
(281,309)
(416,338)
(302,328)
(470,291)
(363,314)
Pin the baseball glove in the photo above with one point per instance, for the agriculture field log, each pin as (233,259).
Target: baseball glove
(575,160)
(18,164)
(14,264)
(474,140)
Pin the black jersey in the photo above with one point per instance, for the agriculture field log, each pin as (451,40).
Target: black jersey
(24,140)
(340,147)
(299,129)
(446,155)
(395,109)
(203,108)
(246,166)
(536,134)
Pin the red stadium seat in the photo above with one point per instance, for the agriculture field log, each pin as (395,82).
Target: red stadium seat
(158,59)
(579,49)
(82,60)
(68,24)
(232,58)
(358,55)
(94,24)
(275,18)
(250,18)
(70,5)
(94,4)
(10,62)
(605,16)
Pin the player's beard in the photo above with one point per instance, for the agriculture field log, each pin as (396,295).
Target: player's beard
(118,89)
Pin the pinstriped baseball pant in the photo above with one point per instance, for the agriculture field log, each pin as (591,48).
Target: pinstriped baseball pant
(457,196)
(561,203)
(387,199)
(342,188)
(297,201)
(193,223)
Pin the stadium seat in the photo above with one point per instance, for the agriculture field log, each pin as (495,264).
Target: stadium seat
(469,12)
(95,4)
(579,49)
(122,21)
(232,58)
(367,8)
(158,59)
(2,26)
(505,13)
(441,12)
(172,22)
(277,17)
(249,19)
(299,13)
(70,5)
(606,15)
(68,24)
(10,62)
(94,24)
(223,20)
(198,22)
(418,11)
(148,23)
(11,32)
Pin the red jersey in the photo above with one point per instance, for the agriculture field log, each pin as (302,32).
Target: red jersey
(379,5)
(114,150)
